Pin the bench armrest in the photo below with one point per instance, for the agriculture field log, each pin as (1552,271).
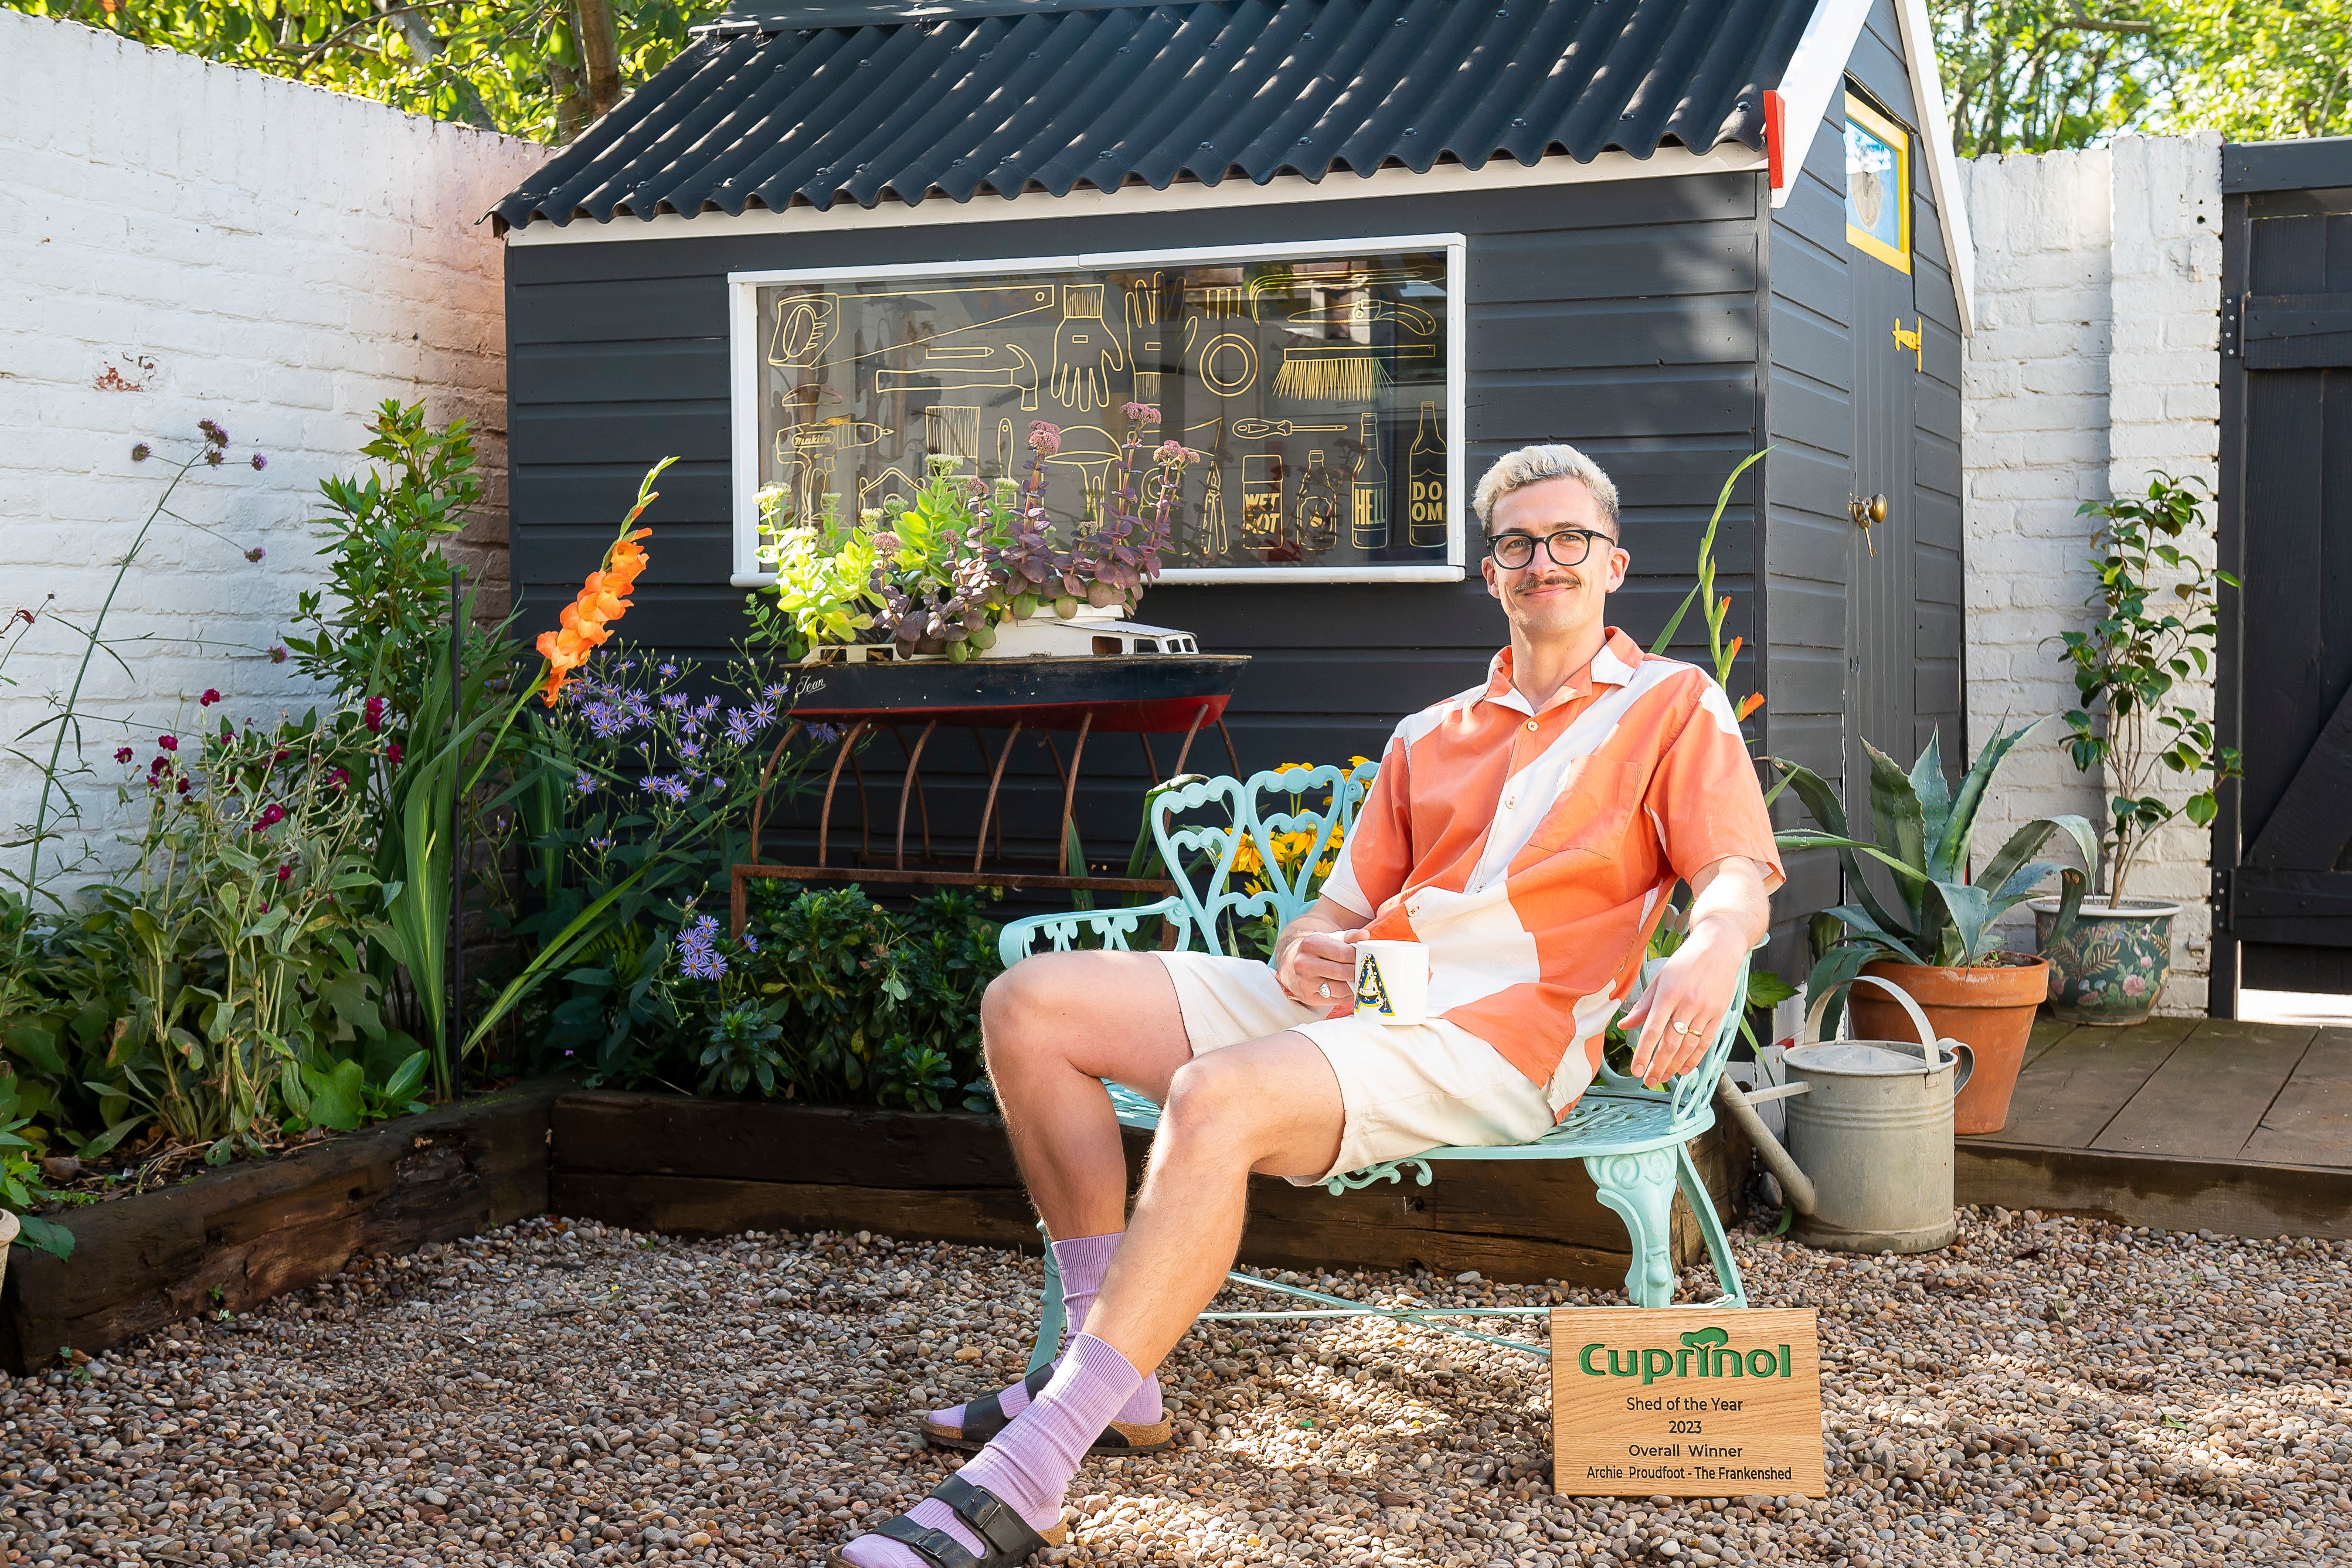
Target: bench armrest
(1111,927)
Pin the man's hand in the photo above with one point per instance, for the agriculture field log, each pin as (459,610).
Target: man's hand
(1314,957)
(1680,1013)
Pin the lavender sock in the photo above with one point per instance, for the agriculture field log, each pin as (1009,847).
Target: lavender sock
(1081,1261)
(1029,1463)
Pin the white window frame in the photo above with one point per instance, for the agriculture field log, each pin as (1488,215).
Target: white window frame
(743,348)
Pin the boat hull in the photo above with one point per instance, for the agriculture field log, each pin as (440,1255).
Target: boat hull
(1152,694)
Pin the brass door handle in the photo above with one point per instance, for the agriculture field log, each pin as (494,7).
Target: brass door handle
(1866,511)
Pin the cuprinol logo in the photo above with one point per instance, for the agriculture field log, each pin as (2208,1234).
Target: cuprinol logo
(1706,1352)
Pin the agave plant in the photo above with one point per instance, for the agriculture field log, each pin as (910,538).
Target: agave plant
(1923,828)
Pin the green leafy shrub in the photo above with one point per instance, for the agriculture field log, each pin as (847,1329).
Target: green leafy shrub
(829,998)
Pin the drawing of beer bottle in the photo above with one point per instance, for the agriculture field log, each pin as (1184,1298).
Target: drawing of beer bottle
(1318,506)
(1367,496)
(1424,473)
(1261,500)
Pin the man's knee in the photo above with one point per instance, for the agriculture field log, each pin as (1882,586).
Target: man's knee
(1021,1007)
(1212,1097)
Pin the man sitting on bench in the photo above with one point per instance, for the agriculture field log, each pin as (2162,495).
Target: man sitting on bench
(1528,832)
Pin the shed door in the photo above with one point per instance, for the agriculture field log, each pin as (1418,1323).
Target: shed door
(1884,327)
(2286,371)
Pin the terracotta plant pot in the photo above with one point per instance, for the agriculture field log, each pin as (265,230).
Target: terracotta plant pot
(1988,1010)
(2111,967)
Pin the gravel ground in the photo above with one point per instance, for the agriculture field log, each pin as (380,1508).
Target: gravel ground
(556,1395)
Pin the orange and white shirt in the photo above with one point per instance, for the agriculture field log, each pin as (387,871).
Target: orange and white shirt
(1532,852)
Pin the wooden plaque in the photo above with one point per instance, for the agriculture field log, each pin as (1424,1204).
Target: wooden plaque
(1685,1402)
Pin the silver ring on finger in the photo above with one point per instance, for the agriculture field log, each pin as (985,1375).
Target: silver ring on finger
(1323,989)
(1680,1027)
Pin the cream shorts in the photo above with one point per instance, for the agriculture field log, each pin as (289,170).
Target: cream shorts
(1403,1087)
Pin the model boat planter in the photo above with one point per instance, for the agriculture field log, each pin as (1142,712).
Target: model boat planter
(1988,1007)
(2111,967)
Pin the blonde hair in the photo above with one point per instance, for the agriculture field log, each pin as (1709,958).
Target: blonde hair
(1534,466)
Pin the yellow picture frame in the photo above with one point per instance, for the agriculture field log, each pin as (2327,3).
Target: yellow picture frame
(1876,145)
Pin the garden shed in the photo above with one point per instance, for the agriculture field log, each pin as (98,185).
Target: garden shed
(1353,250)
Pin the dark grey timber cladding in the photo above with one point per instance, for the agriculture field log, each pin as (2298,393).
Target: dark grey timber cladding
(1810,416)
(1620,317)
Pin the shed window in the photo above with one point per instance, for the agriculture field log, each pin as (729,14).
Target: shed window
(1877,185)
(1322,384)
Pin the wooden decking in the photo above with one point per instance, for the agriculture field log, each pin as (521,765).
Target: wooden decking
(2243,1129)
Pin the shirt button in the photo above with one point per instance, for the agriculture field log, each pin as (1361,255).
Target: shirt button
(1510,800)
(1531,724)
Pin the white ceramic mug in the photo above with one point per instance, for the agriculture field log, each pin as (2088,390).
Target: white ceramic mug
(1392,981)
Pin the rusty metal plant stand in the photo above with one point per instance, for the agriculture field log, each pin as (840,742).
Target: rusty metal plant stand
(925,873)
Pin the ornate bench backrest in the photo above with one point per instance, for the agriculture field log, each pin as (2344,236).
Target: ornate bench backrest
(1261,859)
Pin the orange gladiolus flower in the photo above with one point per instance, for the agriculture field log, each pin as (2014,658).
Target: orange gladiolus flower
(1753,701)
(586,621)
(1733,652)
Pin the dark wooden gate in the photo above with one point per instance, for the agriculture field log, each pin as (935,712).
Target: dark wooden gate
(2282,844)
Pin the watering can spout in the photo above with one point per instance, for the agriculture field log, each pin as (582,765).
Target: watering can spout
(1794,1183)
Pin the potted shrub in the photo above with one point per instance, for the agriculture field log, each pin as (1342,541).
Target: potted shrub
(2150,635)
(1935,941)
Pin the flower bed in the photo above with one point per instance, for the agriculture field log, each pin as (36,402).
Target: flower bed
(230,1239)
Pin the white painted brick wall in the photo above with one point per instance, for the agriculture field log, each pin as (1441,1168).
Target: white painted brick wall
(235,245)
(2094,362)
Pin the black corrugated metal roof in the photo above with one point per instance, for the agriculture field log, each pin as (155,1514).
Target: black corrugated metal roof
(910,100)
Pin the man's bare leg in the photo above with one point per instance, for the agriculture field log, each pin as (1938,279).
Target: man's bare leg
(1271,1105)
(1053,1027)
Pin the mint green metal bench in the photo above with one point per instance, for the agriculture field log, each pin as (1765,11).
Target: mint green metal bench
(1634,1141)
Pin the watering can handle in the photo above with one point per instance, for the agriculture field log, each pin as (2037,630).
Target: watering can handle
(1936,1049)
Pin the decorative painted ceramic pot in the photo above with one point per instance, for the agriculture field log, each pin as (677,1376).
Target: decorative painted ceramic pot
(2110,969)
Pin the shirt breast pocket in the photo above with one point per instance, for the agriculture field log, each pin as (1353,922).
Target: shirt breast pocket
(1598,803)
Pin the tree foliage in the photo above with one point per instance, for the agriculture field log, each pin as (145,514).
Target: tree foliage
(536,68)
(2034,75)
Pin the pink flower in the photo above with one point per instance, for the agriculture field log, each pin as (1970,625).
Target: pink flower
(887,545)
(122,753)
(392,755)
(255,553)
(259,462)
(2134,986)
(1045,440)
(272,815)
(285,872)
(212,694)
(168,742)
(1140,412)
(182,786)
(339,778)
(213,433)
(277,653)
(372,714)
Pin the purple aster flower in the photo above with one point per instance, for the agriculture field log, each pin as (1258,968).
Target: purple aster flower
(777,693)
(585,783)
(637,709)
(763,715)
(689,749)
(740,726)
(667,669)
(824,734)
(674,701)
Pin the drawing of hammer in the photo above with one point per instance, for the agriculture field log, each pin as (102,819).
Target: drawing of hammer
(1022,374)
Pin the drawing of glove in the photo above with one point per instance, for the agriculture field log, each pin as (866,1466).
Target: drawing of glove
(1086,352)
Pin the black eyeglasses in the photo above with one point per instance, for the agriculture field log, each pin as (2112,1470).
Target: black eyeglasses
(1569,546)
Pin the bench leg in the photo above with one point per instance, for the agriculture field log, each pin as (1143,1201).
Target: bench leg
(1710,1227)
(1641,1189)
(1050,1317)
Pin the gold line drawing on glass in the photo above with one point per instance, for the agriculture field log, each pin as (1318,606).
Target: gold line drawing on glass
(1262,487)
(1273,429)
(952,429)
(1226,301)
(1425,474)
(1216,538)
(806,324)
(1215,352)
(1368,495)
(1340,372)
(887,490)
(1318,506)
(1367,310)
(1004,446)
(1020,375)
(1086,352)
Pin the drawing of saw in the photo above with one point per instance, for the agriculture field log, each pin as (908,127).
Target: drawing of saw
(1021,374)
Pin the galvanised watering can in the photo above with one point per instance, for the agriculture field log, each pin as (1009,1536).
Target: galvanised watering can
(1868,1165)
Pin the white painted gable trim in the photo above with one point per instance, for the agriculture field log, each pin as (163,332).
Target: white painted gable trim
(1817,70)
(1498,175)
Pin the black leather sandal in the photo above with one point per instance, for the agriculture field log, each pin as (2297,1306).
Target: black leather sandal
(1009,1539)
(985,1417)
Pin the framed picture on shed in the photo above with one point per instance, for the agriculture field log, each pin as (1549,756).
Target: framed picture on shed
(1321,383)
